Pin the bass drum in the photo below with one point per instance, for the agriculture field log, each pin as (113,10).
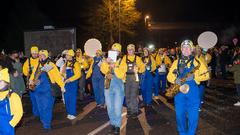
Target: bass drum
(207,40)
(91,46)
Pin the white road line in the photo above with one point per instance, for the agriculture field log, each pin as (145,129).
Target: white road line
(95,131)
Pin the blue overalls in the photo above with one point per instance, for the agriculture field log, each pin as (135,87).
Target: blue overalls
(45,100)
(5,118)
(32,95)
(147,84)
(98,82)
(70,96)
(187,105)
(156,83)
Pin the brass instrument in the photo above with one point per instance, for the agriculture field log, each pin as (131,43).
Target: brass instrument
(107,80)
(184,88)
(35,80)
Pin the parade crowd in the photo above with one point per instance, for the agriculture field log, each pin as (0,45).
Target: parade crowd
(133,80)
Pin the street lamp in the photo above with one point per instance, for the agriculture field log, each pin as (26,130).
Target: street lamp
(147,17)
(119,31)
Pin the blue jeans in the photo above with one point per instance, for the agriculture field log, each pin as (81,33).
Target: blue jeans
(114,97)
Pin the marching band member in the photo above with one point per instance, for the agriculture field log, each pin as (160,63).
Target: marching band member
(11,110)
(43,77)
(29,65)
(206,58)
(173,56)
(163,62)
(114,95)
(147,77)
(71,73)
(83,65)
(135,66)
(97,79)
(187,105)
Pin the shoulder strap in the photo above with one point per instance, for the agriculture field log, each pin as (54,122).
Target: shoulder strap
(29,66)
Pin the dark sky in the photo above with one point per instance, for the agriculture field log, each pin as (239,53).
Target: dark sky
(160,10)
(71,13)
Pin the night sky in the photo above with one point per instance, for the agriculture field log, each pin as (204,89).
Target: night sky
(15,14)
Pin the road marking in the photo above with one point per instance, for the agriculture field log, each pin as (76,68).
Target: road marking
(95,131)
(164,100)
(143,121)
(86,110)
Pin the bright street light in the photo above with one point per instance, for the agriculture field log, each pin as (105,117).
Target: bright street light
(147,17)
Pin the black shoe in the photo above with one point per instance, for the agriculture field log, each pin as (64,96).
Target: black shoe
(134,116)
(112,129)
(117,131)
(45,131)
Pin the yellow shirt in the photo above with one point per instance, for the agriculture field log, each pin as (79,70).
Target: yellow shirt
(153,65)
(200,75)
(76,71)
(83,62)
(33,64)
(139,63)
(54,75)
(120,69)
(15,107)
(163,58)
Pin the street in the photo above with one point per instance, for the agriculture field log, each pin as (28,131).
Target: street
(218,117)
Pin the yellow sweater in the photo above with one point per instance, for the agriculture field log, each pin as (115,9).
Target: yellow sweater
(15,107)
(54,75)
(83,63)
(200,74)
(120,69)
(153,66)
(139,63)
(76,71)
(166,60)
(33,64)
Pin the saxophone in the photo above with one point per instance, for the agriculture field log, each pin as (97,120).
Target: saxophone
(107,80)
(35,80)
(184,88)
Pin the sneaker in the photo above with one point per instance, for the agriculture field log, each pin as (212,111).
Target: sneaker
(116,131)
(237,104)
(71,117)
(68,116)
(45,131)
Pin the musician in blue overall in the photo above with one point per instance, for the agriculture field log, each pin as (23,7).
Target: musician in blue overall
(48,75)
(163,62)
(187,105)
(147,77)
(28,67)
(11,110)
(97,79)
(71,73)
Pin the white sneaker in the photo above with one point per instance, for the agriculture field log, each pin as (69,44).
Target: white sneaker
(71,117)
(68,116)
(237,104)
